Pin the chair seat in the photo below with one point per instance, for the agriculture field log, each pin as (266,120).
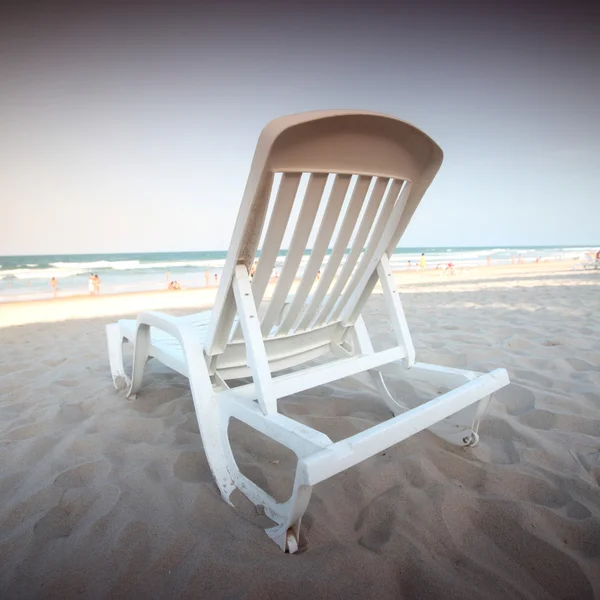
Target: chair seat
(167,348)
(164,346)
(198,320)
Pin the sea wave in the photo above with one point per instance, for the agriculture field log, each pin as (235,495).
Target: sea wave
(206,263)
(134,265)
(39,273)
(97,264)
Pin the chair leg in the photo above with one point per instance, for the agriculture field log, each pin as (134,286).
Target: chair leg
(287,532)
(460,429)
(213,420)
(212,425)
(141,349)
(287,515)
(115,356)
(396,407)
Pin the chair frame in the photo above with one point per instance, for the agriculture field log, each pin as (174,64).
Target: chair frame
(334,327)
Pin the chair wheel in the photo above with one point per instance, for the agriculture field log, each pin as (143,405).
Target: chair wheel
(471,440)
(291,543)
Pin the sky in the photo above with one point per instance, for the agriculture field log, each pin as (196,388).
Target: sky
(131,128)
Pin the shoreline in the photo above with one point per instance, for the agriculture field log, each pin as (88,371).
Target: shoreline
(86,306)
(191,280)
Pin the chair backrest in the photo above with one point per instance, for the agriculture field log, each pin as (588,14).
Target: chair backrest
(350,181)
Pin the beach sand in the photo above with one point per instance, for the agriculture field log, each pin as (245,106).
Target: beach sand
(101,496)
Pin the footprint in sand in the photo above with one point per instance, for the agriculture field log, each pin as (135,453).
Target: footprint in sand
(577,511)
(498,436)
(517,399)
(138,430)
(54,362)
(589,458)
(540,380)
(466,471)
(26,432)
(191,424)
(539,419)
(73,413)
(375,523)
(67,382)
(159,401)
(581,365)
(134,545)
(578,424)
(415,474)
(191,467)
(61,520)
(543,493)
(15,407)
(83,475)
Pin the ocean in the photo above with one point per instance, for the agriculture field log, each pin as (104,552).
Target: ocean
(28,277)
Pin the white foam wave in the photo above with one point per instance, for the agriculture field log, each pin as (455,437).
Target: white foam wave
(206,263)
(41,273)
(133,265)
(98,264)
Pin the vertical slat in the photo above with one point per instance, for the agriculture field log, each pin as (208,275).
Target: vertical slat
(376,232)
(249,224)
(357,246)
(256,354)
(341,243)
(275,232)
(362,288)
(330,218)
(304,225)
(397,316)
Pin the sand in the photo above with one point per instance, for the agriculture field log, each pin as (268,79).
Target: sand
(106,497)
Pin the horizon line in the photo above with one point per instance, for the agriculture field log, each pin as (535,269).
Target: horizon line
(524,246)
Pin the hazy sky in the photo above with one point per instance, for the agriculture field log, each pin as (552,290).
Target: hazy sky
(132,129)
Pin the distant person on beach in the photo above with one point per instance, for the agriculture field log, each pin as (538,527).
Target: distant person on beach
(216,279)
(489,261)
(53,283)
(598,255)
(252,270)
(207,277)
(96,284)
(409,265)
(423,262)
(91,285)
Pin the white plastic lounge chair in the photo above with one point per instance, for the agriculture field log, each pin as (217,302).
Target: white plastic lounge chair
(378,168)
